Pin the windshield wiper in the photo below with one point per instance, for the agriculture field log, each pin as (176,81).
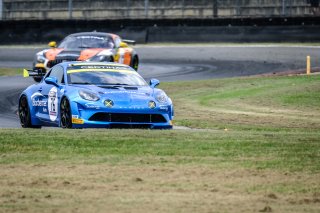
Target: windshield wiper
(83,47)
(119,84)
(81,83)
(113,85)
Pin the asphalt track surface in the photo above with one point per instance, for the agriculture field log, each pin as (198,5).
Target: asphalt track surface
(169,63)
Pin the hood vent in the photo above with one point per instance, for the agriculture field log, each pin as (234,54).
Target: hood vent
(131,88)
(109,87)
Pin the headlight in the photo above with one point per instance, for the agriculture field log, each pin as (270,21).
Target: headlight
(40,59)
(100,58)
(88,95)
(161,97)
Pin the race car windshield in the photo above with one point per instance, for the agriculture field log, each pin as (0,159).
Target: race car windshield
(83,42)
(106,78)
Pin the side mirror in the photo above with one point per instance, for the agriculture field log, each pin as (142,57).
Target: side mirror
(154,82)
(52,44)
(123,44)
(52,80)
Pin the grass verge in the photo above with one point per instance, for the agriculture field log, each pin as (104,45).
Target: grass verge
(254,147)
(10,71)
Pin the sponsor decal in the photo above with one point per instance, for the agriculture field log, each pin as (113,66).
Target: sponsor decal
(95,68)
(39,103)
(75,116)
(164,107)
(121,58)
(103,67)
(92,106)
(53,103)
(90,37)
(77,121)
(35,100)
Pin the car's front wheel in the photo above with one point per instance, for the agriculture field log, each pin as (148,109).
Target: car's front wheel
(39,78)
(24,113)
(135,63)
(65,114)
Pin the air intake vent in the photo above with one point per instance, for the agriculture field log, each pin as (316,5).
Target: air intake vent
(127,118)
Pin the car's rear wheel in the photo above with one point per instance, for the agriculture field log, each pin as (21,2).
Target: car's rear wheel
(24,113)
(135,63)
(65,114)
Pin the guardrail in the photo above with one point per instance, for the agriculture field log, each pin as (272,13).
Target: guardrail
(288,29)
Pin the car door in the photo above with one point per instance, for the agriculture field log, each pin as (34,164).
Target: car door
(51,96)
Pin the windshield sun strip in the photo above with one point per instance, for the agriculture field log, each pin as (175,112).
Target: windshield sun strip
(96,63)
(100,70)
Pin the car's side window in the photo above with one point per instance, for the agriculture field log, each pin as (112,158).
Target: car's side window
(48,73)
(57,72)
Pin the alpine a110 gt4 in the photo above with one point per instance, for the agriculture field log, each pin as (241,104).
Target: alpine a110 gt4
(87,46)
(92,94)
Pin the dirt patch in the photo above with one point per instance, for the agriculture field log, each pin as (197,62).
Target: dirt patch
(144,188)
(315,70)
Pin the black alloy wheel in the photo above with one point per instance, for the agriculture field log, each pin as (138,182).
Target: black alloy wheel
(24,113)
(65,114)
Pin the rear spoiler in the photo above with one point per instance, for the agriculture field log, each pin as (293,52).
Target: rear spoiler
(129,41)
(33,73)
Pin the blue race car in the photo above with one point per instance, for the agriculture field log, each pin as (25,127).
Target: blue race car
(93,94)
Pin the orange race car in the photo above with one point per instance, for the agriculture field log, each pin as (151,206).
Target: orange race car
(87,46)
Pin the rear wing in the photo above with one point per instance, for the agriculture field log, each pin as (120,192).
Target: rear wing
(132,42)
(33,73)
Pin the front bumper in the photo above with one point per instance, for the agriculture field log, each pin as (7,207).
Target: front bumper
(96,116)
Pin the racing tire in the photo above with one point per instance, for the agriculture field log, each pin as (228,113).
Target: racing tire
(108,59)
(135,63)
(39,78)
(24,113)
(65,114)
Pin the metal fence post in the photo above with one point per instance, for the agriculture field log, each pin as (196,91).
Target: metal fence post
(70,9)
(283,7)
(1,9)
(146,8)
(215,8)
(128,8)
(183,8)
(239,2)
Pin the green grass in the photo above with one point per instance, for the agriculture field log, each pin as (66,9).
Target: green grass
(254,143)
(256,103)
(267,123)
(10,71)
(293,151)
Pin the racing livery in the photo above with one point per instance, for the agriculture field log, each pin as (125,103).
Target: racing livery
(87,46)
(94,94)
